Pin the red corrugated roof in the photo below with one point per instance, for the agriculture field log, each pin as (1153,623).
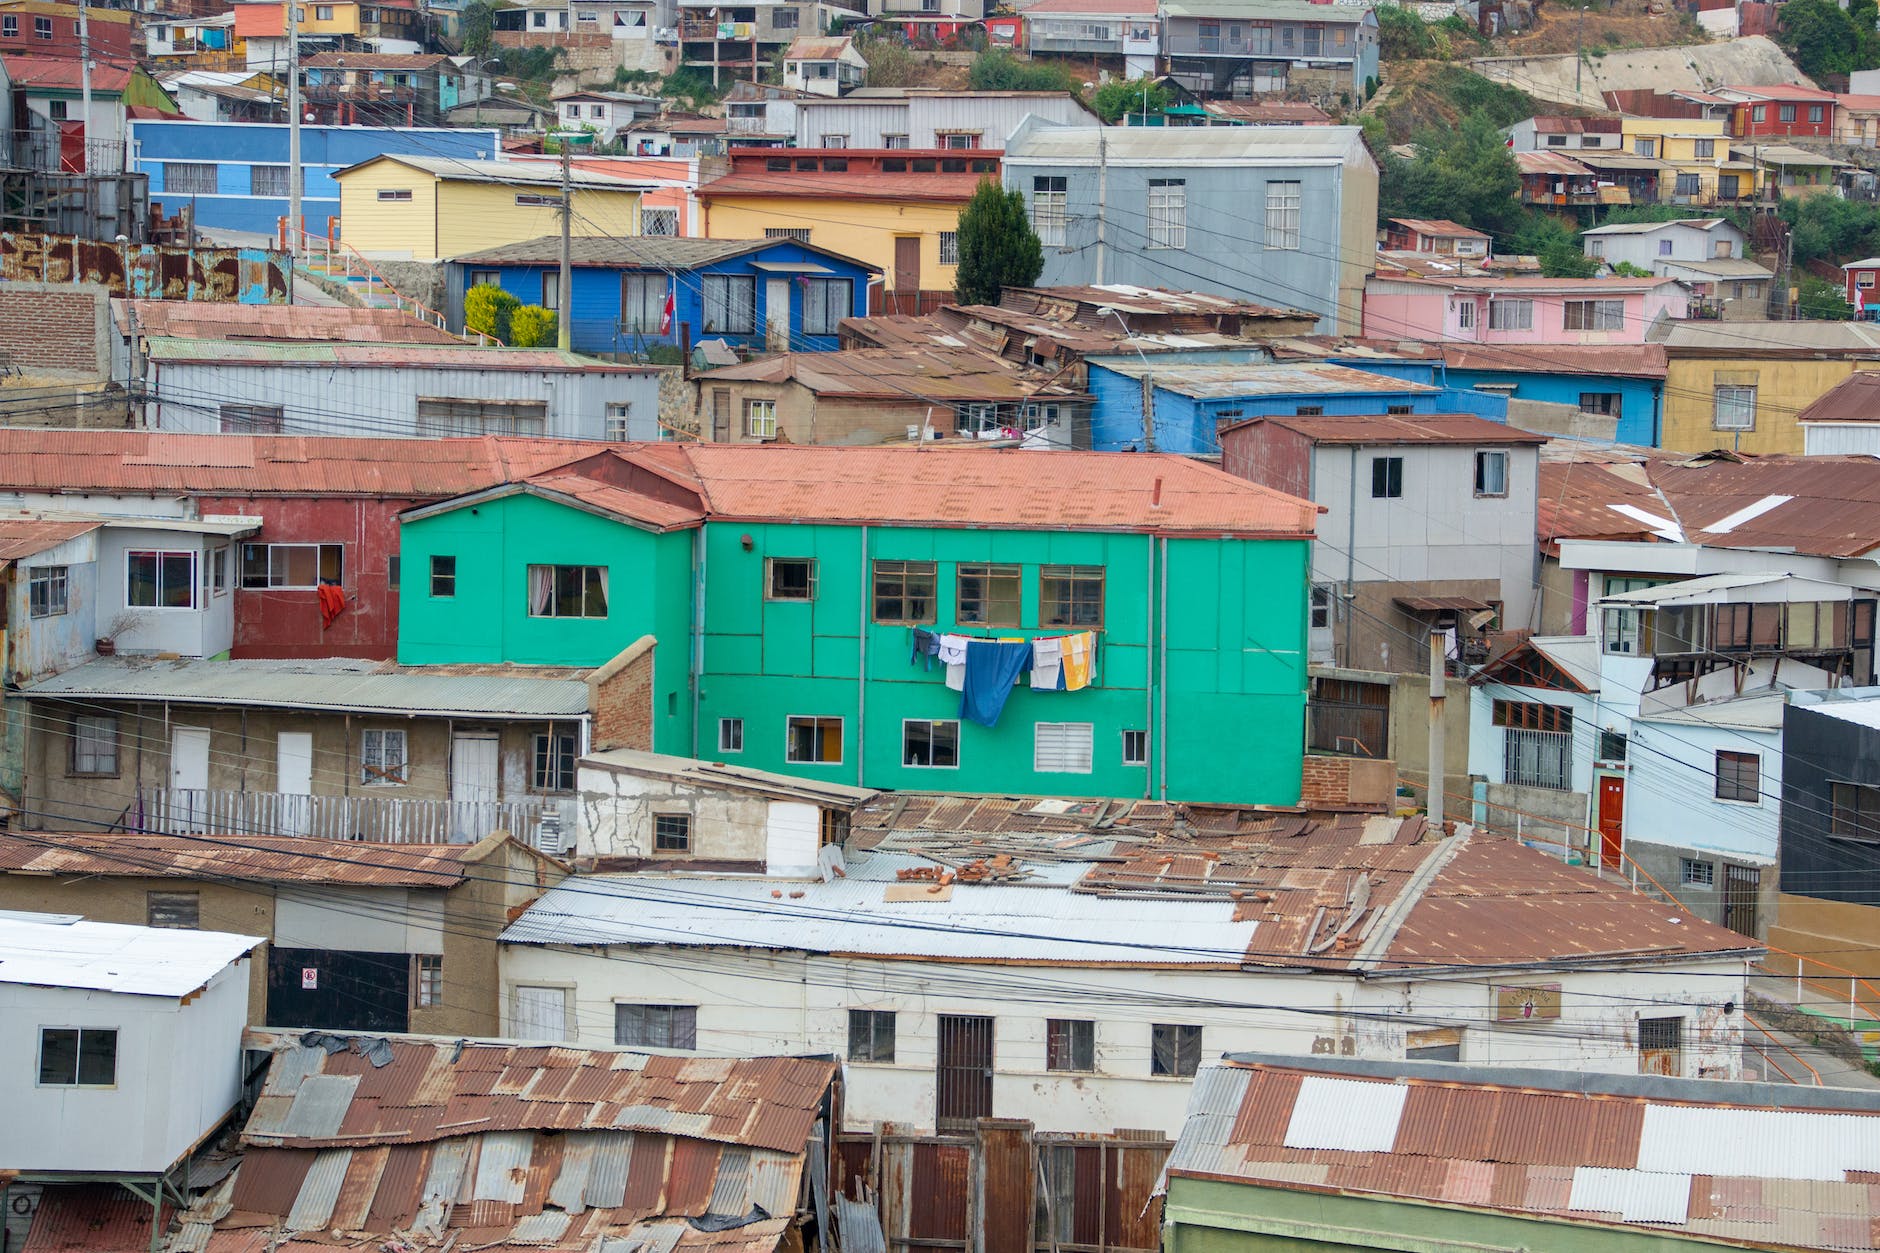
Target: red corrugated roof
(65,74)
(26,535)
(818,185)
(198,319)
(90,1218)
(1392,428)
(1630,360)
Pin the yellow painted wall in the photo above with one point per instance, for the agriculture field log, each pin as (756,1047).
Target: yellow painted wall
(344,19)
(448,218)
(863,229)
(1677,143)
(1784,387)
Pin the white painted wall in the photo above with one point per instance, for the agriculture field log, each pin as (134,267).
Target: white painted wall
(360,920)
(793,1003)
(617,809)
(1670,794)
(178,1074)
(1821,439)
(206,630)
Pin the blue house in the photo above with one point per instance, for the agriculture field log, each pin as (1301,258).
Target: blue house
(1625,382)
(1190,401)
(632,294)
(235,174)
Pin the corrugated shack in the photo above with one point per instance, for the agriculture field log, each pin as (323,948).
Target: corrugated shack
(410,1143)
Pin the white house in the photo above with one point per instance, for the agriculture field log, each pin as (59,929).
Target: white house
(606,113)
(1073,963)
(1711,255)
(121,1045)
(920,117)
(1845,420)
(827,65)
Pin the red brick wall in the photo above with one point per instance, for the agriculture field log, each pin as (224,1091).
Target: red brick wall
(54,328)
(620,698)
(1346,783)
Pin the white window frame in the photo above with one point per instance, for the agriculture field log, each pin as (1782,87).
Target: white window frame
(1465,314)
(162,555)
(1510,315)
(1050,209)
(94,746)
(1737,396)
(760,418)
(1284,204)
(731,735)
(619,420)
(376,745)
(1485,457)
(48,591)
(1066,748)
(1167,213)
(1140,757)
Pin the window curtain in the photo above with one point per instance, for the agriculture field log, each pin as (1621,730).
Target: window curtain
(602,570)
(541,589)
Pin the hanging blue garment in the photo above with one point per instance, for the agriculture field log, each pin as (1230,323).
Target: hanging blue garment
(992,670)
(926,644)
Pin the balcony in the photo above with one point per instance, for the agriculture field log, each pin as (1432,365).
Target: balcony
(359,93)
(546,822)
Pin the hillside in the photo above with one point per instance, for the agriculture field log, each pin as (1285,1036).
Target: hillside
(1753,60)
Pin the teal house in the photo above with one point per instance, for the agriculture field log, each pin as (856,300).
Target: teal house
(785,589)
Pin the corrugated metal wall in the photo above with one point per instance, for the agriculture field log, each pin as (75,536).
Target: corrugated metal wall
(249,276)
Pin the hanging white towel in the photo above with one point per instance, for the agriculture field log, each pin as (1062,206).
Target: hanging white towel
(956,676)
(1047,660)
(953,650)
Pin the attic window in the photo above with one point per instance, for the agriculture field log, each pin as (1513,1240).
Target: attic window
(403,193)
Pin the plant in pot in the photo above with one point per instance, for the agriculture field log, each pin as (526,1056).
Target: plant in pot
(125,622)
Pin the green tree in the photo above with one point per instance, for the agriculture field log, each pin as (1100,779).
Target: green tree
(998,70)
(890,62)
(1822,300)
(479,21)
(1566,260)
(532,326)
(1825,38)
(1136,95)
(1466,173)
(998,248)
(1401,34)
(488,309)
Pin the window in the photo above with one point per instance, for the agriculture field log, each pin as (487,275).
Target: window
(42,27)
(1738,777)
(1321,606)
(1705,148)
(933,745)
(672,833)
(949,247)
(394,193)
(1386,478)
(783,19)
(1168,213)
(1050,211)
(789,578)
(1785,113)
(987,595)
(656,1026)
(1855,812)
(1174,1049)
(10,25)
(1661,1046)
(1686,185)
(1070,596)
(270,180)
(730,304)
(1609,404)
(959,141)
(1595,247)
(1697,874)
(799,233)
(160,580)
(595,111)
(192,178)
(95,744)
(1135,748)
(731,735)
(1556,141)
(1061,748)
(1282,216)
(1644,147)
(551,290)
(904,591)
(1442,1044)
(1465,315)
(1759,113)
(1309,411)
(660,222)
(427,980)
(1612,746)
(643,303)
(46,591)
(1491,473)
(77,1057)
(1510,315)
(1734,409)
(176,911)
(760,419)
(567,591)
(218,570)
(619,419)
(1814,112)
(554,761)
(1594,315)
(242,419)
(871,1035)
(1537,743)
(813,740)
(826,301)
(894,141)
(1070,1044)
(484,278)
(291,565)
(383,760)
(443,416)
(443,576)
(537,200)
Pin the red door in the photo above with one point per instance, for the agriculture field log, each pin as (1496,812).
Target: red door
(1611,820)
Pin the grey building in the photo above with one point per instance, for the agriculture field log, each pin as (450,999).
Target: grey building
(1250,47)
(1281,215)
(903,117)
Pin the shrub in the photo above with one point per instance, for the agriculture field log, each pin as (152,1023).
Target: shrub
(488,309)
(532,326)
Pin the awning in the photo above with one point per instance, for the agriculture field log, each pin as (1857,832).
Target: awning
(790,267)
(1438,604)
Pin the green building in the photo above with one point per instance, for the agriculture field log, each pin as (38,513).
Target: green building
(783,585)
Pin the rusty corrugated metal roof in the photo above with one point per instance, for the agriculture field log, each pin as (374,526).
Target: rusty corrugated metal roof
(255,858)
(195,319)
(26,535)
(90,1218)
(1393,428)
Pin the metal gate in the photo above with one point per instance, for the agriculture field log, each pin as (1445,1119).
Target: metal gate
(1741,885)
(963,1072)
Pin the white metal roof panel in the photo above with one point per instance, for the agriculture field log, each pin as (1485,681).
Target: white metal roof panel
(1759,1144)
(974,922)
(110,957)
(1349,1114)
(1636,1196)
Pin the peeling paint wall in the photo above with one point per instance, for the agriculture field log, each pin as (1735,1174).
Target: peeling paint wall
(617,811)
(249,276)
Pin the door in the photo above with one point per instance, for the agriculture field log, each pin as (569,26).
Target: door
(293,780)
(721,415)
(538,1013)
(1611,821)
(777,314)
(907,266)
(189,779)
(1741,886)
(473,785)
(336,990)
(963,1072)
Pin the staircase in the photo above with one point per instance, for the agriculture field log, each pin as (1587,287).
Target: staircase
(1381,94)
(342,265)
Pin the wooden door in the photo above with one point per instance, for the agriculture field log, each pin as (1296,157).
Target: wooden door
(1741,886)
(721,415)
(906,265)
(963,1072)
(1611,821)
(189,779)
(538,1013)
(293,779)
(474,780)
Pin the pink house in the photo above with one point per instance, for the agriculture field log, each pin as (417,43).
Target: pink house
(669,208)
(1521,310)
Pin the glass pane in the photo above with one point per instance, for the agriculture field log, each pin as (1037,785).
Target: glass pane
(58,1055)
(179,580)
(141,582)
(296,565)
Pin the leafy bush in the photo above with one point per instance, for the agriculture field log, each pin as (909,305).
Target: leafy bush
(1401,34)
(1625,269)
(1823,300)
(489,309)
(532,326)
(890,63)
(692,85)
(998,70)
(1137,95)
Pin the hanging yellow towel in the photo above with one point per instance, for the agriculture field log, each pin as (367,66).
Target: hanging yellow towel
(1080,652)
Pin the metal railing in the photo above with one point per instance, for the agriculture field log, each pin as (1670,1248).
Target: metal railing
(341,261)
(1532,758)
(537,820)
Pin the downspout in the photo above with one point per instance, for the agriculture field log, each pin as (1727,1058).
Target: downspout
(1351,558)
(1148,695)
(1658,393)
(861,669)
(1161,730)
(697,651)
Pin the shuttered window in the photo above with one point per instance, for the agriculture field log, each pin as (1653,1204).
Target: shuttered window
(1062,748)
(656,1026)
(449,415)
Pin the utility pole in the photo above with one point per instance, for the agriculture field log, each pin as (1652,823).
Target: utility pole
(84,79)
(1579,49)
(1438,778)
(291,9)
(564,324)
(1103,188)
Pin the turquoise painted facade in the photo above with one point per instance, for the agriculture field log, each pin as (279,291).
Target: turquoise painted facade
(1218,682)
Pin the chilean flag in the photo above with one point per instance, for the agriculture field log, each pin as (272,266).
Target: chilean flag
(665,318)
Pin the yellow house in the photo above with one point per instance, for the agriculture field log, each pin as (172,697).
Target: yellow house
(1740,385)
(1703,169)
(269,21)
(428,208)
(898,209)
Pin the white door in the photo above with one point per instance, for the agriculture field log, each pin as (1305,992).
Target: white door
(293,780)
(777,314)
(189,779)
(474,779)
(538,1013)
